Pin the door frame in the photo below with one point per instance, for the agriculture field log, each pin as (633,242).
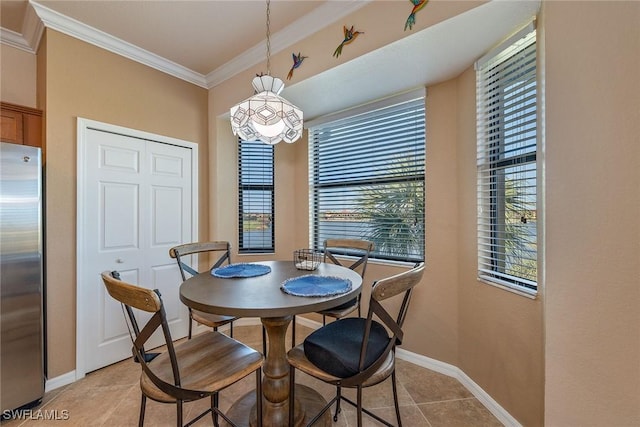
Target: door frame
(83,125)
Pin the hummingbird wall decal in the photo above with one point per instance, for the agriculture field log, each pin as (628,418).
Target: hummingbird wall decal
(349,36)
(417,6)
(297,61)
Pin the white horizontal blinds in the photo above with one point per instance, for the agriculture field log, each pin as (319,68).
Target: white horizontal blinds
(255,197)
(367,179)
(507,148)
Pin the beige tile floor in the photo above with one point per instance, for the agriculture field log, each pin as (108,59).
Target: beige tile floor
(111,397)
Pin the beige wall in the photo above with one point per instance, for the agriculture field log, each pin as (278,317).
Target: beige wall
(18,77)
(85,81)
(592,304)
(436,323)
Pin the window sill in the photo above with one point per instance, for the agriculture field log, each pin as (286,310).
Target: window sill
(527,294)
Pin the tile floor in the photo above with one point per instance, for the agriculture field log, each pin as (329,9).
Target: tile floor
(111,397)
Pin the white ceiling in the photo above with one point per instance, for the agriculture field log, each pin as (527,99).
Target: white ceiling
(200,35)
(180,37)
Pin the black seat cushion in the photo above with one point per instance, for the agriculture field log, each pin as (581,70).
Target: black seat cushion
(335,348)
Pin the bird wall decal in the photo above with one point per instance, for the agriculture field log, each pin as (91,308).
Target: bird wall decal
(297,61)
(349,36)
(417,6)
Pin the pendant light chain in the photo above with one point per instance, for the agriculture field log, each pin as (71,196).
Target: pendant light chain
(268,38)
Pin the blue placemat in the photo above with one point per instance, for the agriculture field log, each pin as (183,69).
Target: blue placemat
(316,286)
(241,270)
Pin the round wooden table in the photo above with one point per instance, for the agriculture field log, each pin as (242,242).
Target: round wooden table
(262,297)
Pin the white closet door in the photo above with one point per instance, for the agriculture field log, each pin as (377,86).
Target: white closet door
(137,203)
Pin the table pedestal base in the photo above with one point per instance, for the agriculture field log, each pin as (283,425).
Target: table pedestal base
(243,411)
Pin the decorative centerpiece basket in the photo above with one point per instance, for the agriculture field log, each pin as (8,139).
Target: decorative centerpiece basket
(306,259)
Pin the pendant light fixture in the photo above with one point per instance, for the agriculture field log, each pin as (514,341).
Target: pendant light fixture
(267,116)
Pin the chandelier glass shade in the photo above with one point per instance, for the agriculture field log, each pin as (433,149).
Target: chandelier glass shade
(267,116)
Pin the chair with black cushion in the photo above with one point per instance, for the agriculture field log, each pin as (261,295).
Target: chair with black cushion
(342,252)
(357,352)
(194,369)
(223,250)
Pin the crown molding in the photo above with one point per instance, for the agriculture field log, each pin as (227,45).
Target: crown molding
(29,40)
(38,17)
(13,39)
(32,28)
(309,24)
(78,30)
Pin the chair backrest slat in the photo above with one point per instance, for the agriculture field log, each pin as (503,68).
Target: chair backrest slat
(134,296)
(397,284)
(354,247)
(200,247)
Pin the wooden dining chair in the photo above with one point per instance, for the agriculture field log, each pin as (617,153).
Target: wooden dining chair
(357,352)
(194,369)
(342,252)
(148,356)
(361,249)
(223,251)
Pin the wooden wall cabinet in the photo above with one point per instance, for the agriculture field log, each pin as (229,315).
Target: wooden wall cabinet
(20,125)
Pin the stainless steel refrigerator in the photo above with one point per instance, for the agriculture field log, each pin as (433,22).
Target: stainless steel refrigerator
(21,277)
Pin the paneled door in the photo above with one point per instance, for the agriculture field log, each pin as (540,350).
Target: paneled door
(137,201)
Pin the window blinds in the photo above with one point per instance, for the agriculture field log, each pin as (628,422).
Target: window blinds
(367,179)
(255,197)
(507,169)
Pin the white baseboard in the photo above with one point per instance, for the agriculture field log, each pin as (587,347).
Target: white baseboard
(60,381)
(426,362)
(453,371)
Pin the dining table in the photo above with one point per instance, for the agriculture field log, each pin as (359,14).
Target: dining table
(263,296)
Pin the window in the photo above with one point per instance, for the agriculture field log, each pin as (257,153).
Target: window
(507,168)
(255,197)
(367,177)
